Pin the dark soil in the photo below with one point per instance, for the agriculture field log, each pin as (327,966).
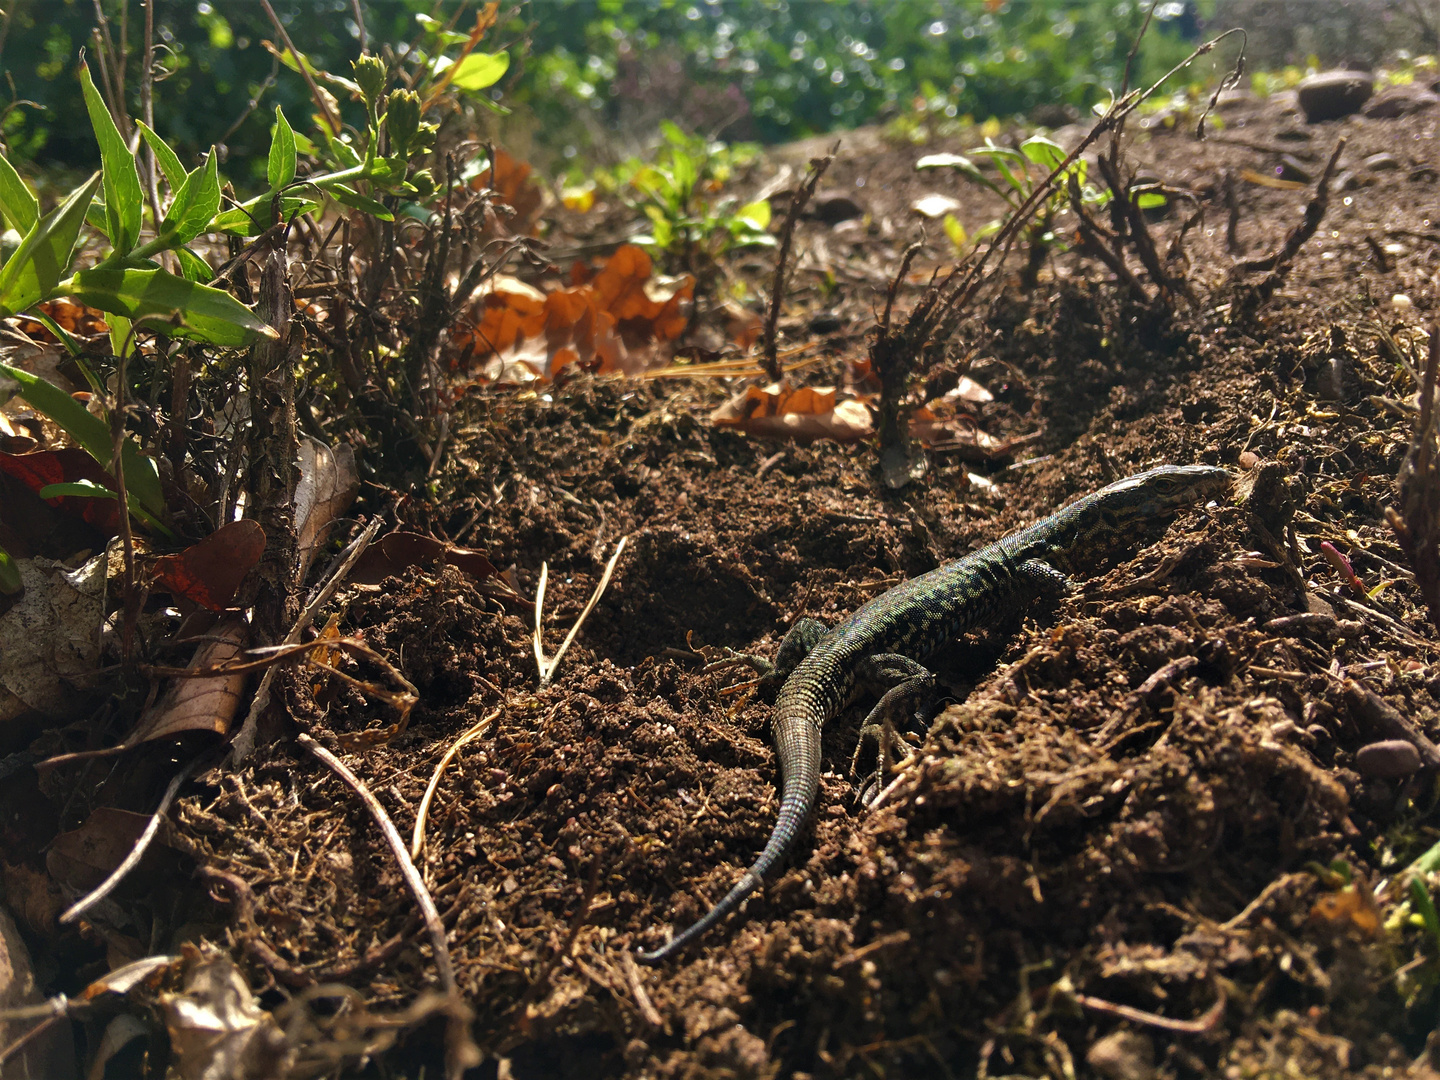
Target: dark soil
(1083,870)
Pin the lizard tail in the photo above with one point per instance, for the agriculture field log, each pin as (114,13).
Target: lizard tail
(800,786)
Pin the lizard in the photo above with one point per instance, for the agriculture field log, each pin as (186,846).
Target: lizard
(883,642)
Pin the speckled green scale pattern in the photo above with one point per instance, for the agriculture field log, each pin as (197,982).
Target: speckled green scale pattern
(916,617)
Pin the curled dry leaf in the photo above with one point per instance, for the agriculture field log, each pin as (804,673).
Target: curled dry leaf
(69,315)
(617,320)
(327,486)
(67,465)
(210,572)
(509,178)
(392,554)
(50,635)
(217,1028)
(203,703)
(83,858)
(805,412)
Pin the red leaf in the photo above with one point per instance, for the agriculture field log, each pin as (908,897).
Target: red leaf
(209,572)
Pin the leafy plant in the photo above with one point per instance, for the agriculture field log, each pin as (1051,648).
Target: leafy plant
(675,195)
(1020,171)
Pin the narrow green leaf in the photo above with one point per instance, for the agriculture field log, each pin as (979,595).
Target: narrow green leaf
(81,489)
(281,169)
(124,200)
(95,217)
(9,574)
(480,71)
(122,341)
(17,203)
(193,267)
(1150,200)
(168,159)
(43,256)
(93,435)
(72,346)
(353,199)
(202,190)
(206,314)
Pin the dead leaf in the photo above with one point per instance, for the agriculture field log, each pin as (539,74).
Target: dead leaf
(327,486)
(392,554)
(803,413)
(935,205)
(209,573)
(613,321)
(49,635)
(509,179)
(67,465)
(83,858)
(200,704)
(218,1031)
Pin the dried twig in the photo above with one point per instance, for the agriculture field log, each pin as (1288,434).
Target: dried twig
(547,665)
(417,839)
(244,741)
(787,232)
(464,1053)
(106,887)
(1199,1026)
(1278,259)
(1417,519)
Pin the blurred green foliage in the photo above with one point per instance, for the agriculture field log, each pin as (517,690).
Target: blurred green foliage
(766,70)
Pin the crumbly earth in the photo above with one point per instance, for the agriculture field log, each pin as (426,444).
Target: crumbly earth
(1084,869)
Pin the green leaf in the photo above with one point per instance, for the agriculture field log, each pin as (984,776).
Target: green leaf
(1150,200)
(1044,152)
(955,231)
(756,214)
(353,199)
(17,203)
(341,150)
(9,574)
(193,267)
(206,314)
(123,198)
(81,489)
(197,202)
(93,434)
(479,71)
(168,159)
(1421,901)
(31,274)
(281,169)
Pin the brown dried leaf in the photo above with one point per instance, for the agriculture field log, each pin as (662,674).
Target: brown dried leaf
(200,704)
(327,486)
(210,572)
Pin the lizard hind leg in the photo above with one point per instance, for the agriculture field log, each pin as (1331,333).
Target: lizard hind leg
(908,703)
(794,647)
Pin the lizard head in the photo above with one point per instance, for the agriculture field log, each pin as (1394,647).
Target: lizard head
(1158,492)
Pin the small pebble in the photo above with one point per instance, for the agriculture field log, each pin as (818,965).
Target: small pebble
(1401,303)
(1391,759)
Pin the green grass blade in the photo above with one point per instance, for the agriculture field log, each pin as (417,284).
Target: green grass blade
(205,314)
(93,435)
(34,270)
(17,203)
(123,198)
